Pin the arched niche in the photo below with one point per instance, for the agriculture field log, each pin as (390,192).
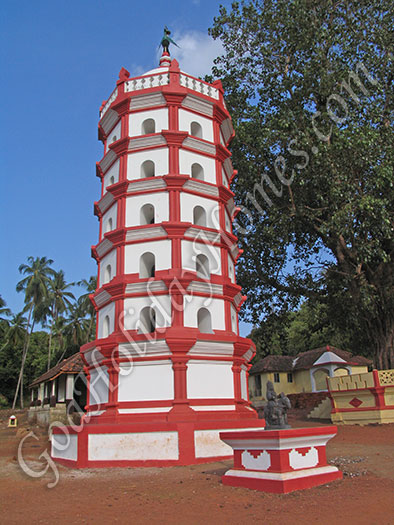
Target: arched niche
(109,225)
(202,266)
(147,321)
(147,169)
(196,130)
(147,214)
(197,171)
(107,274)
(199,216)
(147,265)
(204,321)
(148,126)
(106,325)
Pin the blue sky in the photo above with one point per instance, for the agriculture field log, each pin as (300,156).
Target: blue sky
(59,60)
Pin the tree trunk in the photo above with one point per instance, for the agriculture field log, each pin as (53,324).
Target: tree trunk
(24,352)
(27,348)
(384,348)
(49,346)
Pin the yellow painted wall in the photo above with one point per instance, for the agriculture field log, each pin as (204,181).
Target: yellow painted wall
(341,372)
(320,375)
(353,381)
(303,381)
(359,369)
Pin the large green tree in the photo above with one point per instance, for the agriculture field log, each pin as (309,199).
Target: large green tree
(309,84)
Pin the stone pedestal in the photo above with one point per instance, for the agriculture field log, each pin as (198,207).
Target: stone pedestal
(280,461)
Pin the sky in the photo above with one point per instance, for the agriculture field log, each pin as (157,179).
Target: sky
(59,60)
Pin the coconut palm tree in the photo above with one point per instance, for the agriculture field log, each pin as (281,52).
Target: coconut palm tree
(35,285)
(4,311)
(87,305)
(16,331)
(76,326)
(59,301)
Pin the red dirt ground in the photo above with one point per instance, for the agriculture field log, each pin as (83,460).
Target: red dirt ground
(195,495)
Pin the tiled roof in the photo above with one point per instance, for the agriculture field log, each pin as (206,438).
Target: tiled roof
(73,365)
(304,360)
(273,363)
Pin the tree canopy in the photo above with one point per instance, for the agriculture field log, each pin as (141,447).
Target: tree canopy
(309,85)
(24,353)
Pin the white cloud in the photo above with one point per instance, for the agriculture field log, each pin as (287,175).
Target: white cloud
(196,52)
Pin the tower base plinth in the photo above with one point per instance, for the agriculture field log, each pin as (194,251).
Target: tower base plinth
(159,444)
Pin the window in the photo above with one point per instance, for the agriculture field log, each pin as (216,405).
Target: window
(234,323)
(199,216)
(107,274)
(147,265)
(197,171)
(257,385)
(276,377)
(147,322)
(108,227)
(202,266)
(204,321)
(147,214)
(289,377)
(196,130)
(106,326)
(231,271)
(148,126)
(147,169)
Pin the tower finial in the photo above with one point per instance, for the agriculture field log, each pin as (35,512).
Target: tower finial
(166,40)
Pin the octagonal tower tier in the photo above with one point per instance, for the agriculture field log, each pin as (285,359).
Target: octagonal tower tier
(168,369)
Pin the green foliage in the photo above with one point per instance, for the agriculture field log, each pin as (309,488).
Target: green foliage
(49,302)
(309,327)
(309,84)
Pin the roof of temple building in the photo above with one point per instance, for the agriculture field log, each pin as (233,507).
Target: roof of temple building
(318,356)
(71,365)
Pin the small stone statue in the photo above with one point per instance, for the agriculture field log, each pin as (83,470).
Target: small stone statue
(275,411)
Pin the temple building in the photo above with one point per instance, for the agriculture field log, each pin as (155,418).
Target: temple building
(303,373)
(168,369)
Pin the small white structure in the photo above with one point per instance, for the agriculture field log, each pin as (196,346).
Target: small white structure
(168,370)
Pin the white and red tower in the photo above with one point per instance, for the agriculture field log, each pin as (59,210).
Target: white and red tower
(168,369)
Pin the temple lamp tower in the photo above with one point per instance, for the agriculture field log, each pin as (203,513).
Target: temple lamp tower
(168,369)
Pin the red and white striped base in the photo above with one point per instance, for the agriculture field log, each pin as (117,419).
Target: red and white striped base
(280,461)
(145,444)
